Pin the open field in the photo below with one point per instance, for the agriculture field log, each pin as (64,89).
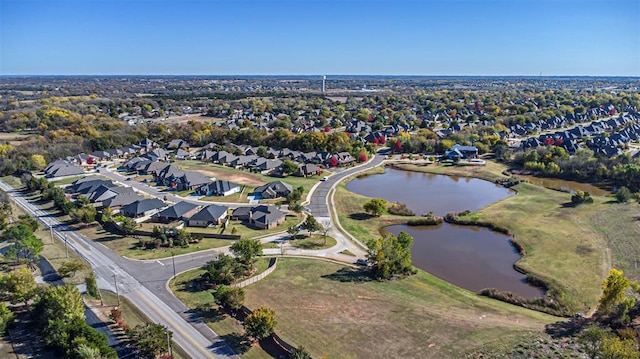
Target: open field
(221,323)
(561,243)
(334,311)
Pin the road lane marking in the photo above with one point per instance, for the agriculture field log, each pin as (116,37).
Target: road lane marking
(176,328)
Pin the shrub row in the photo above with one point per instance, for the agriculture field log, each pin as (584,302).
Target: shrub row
(546,304)
(425,221)
(455,219)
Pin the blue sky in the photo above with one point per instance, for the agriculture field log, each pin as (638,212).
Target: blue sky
(466,37)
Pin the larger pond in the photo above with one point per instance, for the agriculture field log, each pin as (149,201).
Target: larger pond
(468,256)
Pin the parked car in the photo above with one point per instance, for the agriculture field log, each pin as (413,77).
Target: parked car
(362,262)
(324,178)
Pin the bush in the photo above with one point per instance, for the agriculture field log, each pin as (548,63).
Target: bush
(401,209)
(623,195)
(581,197)
(6,318)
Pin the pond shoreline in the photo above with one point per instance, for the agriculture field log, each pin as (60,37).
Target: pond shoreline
(547,302)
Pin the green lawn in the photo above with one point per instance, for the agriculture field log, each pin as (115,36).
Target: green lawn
(336,312)
(69,180)
(240,197)
(351,215)
(315,241)
(12,181)
(221,323)
(248,232)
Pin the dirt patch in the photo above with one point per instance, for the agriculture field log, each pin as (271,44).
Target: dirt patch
(244,179)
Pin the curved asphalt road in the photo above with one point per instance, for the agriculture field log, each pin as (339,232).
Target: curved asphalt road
(319,203)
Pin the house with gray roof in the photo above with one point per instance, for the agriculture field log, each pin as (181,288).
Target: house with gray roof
(180,210)
(273,190)
(219,188)
(263,217)
(212,214)
(122,199)
(62,168)
(141,208)
(103,193)
(175,144)
(265,166)
(190,180)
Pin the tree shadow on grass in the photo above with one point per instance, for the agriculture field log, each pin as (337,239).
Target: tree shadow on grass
(240,343)
(206,314)
(350,275)
(566,329)
(360,216)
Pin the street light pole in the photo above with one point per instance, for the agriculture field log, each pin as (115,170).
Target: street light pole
(66,246)
(115,280)
(51,232)
(169,351)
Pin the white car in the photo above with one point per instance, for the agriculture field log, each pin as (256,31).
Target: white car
(324,178)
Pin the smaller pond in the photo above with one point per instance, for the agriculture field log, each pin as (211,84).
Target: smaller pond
(564,185)
(470,257)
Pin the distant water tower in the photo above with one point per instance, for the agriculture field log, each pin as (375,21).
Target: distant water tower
(324,80)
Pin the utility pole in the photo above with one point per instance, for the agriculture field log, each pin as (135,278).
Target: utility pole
(115,280)
(51,232)
(66,246)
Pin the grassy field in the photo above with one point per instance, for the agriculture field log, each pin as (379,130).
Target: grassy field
(12,181)
(128,246)
(353,219)
(336,312)
(619,225)
(561,243)
(315,241)
(70,180)
(221,323)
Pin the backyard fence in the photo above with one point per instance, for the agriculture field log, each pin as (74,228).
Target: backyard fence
(273,263)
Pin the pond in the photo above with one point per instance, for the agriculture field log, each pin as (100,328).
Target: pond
(468,256)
